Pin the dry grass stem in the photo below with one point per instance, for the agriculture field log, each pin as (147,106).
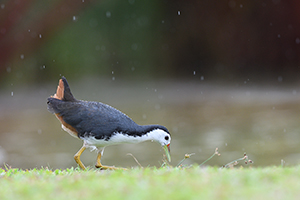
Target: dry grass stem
(186,156)
(236,162)
(215,153)
(129,154)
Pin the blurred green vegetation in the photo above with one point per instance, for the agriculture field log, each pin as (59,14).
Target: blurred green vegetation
(235,39)
(150,183)
(111,37)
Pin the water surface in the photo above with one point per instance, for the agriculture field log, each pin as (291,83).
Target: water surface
(262,121)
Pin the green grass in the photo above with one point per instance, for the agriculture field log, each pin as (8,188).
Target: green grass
(151,183)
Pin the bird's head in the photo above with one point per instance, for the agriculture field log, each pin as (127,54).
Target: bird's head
(161,135)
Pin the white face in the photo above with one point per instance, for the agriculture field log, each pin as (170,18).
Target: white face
(164,139)
(160,136)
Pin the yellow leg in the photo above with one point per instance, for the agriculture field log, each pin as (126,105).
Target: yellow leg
(99,165)
(77,157)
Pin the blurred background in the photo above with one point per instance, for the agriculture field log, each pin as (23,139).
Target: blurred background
(217,73)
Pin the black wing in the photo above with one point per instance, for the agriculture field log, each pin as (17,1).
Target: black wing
(93,118)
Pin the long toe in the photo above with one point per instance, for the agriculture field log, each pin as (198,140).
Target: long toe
(103,167)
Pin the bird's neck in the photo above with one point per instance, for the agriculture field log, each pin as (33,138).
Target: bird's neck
(148,132)
(142,134)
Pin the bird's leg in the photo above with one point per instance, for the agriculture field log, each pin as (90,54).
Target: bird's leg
(99,165)
(77,157)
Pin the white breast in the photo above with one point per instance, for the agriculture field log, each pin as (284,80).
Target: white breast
(118,138)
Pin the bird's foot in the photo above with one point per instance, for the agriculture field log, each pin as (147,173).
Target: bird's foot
(103,167)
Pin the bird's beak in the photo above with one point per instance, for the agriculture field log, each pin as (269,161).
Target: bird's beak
(167,151)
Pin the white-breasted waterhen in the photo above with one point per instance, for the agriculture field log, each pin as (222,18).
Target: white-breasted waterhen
(100,125)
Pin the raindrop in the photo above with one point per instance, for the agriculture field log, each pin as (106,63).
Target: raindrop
(294,92)
(22,56)
(12,94)
(165,47)
(241,6)
(232,4)
(29,30)
(113,78)
(157,107)
(178,12)
(8,69)
(194,73)
(162,21)
(33,34)
(108,14)
(226,144)
(144,116)
(297,41)
(53,60)
(39,131)
(284,130)
(132,68)
(2,6)
(93,23)
(19,37)
(175,129)
(280,79)
(82,1)
(97,48)
(3,30)
(278,35)
(202,78)
(134,46)
(52,142)
(131,1)
(40,35)
(112,72)
(75,18)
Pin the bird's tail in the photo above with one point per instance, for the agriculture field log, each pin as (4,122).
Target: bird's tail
(63,91)
(57,102)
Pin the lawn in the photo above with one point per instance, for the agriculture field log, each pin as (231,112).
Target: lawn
(152,183)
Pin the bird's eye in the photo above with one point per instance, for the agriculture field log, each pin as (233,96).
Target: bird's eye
(167,138)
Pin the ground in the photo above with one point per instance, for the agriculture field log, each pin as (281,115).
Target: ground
(152,183)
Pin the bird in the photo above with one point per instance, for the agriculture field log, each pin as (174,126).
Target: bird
(99,125)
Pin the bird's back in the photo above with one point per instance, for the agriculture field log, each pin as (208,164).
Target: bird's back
(88,118)
(98,120)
